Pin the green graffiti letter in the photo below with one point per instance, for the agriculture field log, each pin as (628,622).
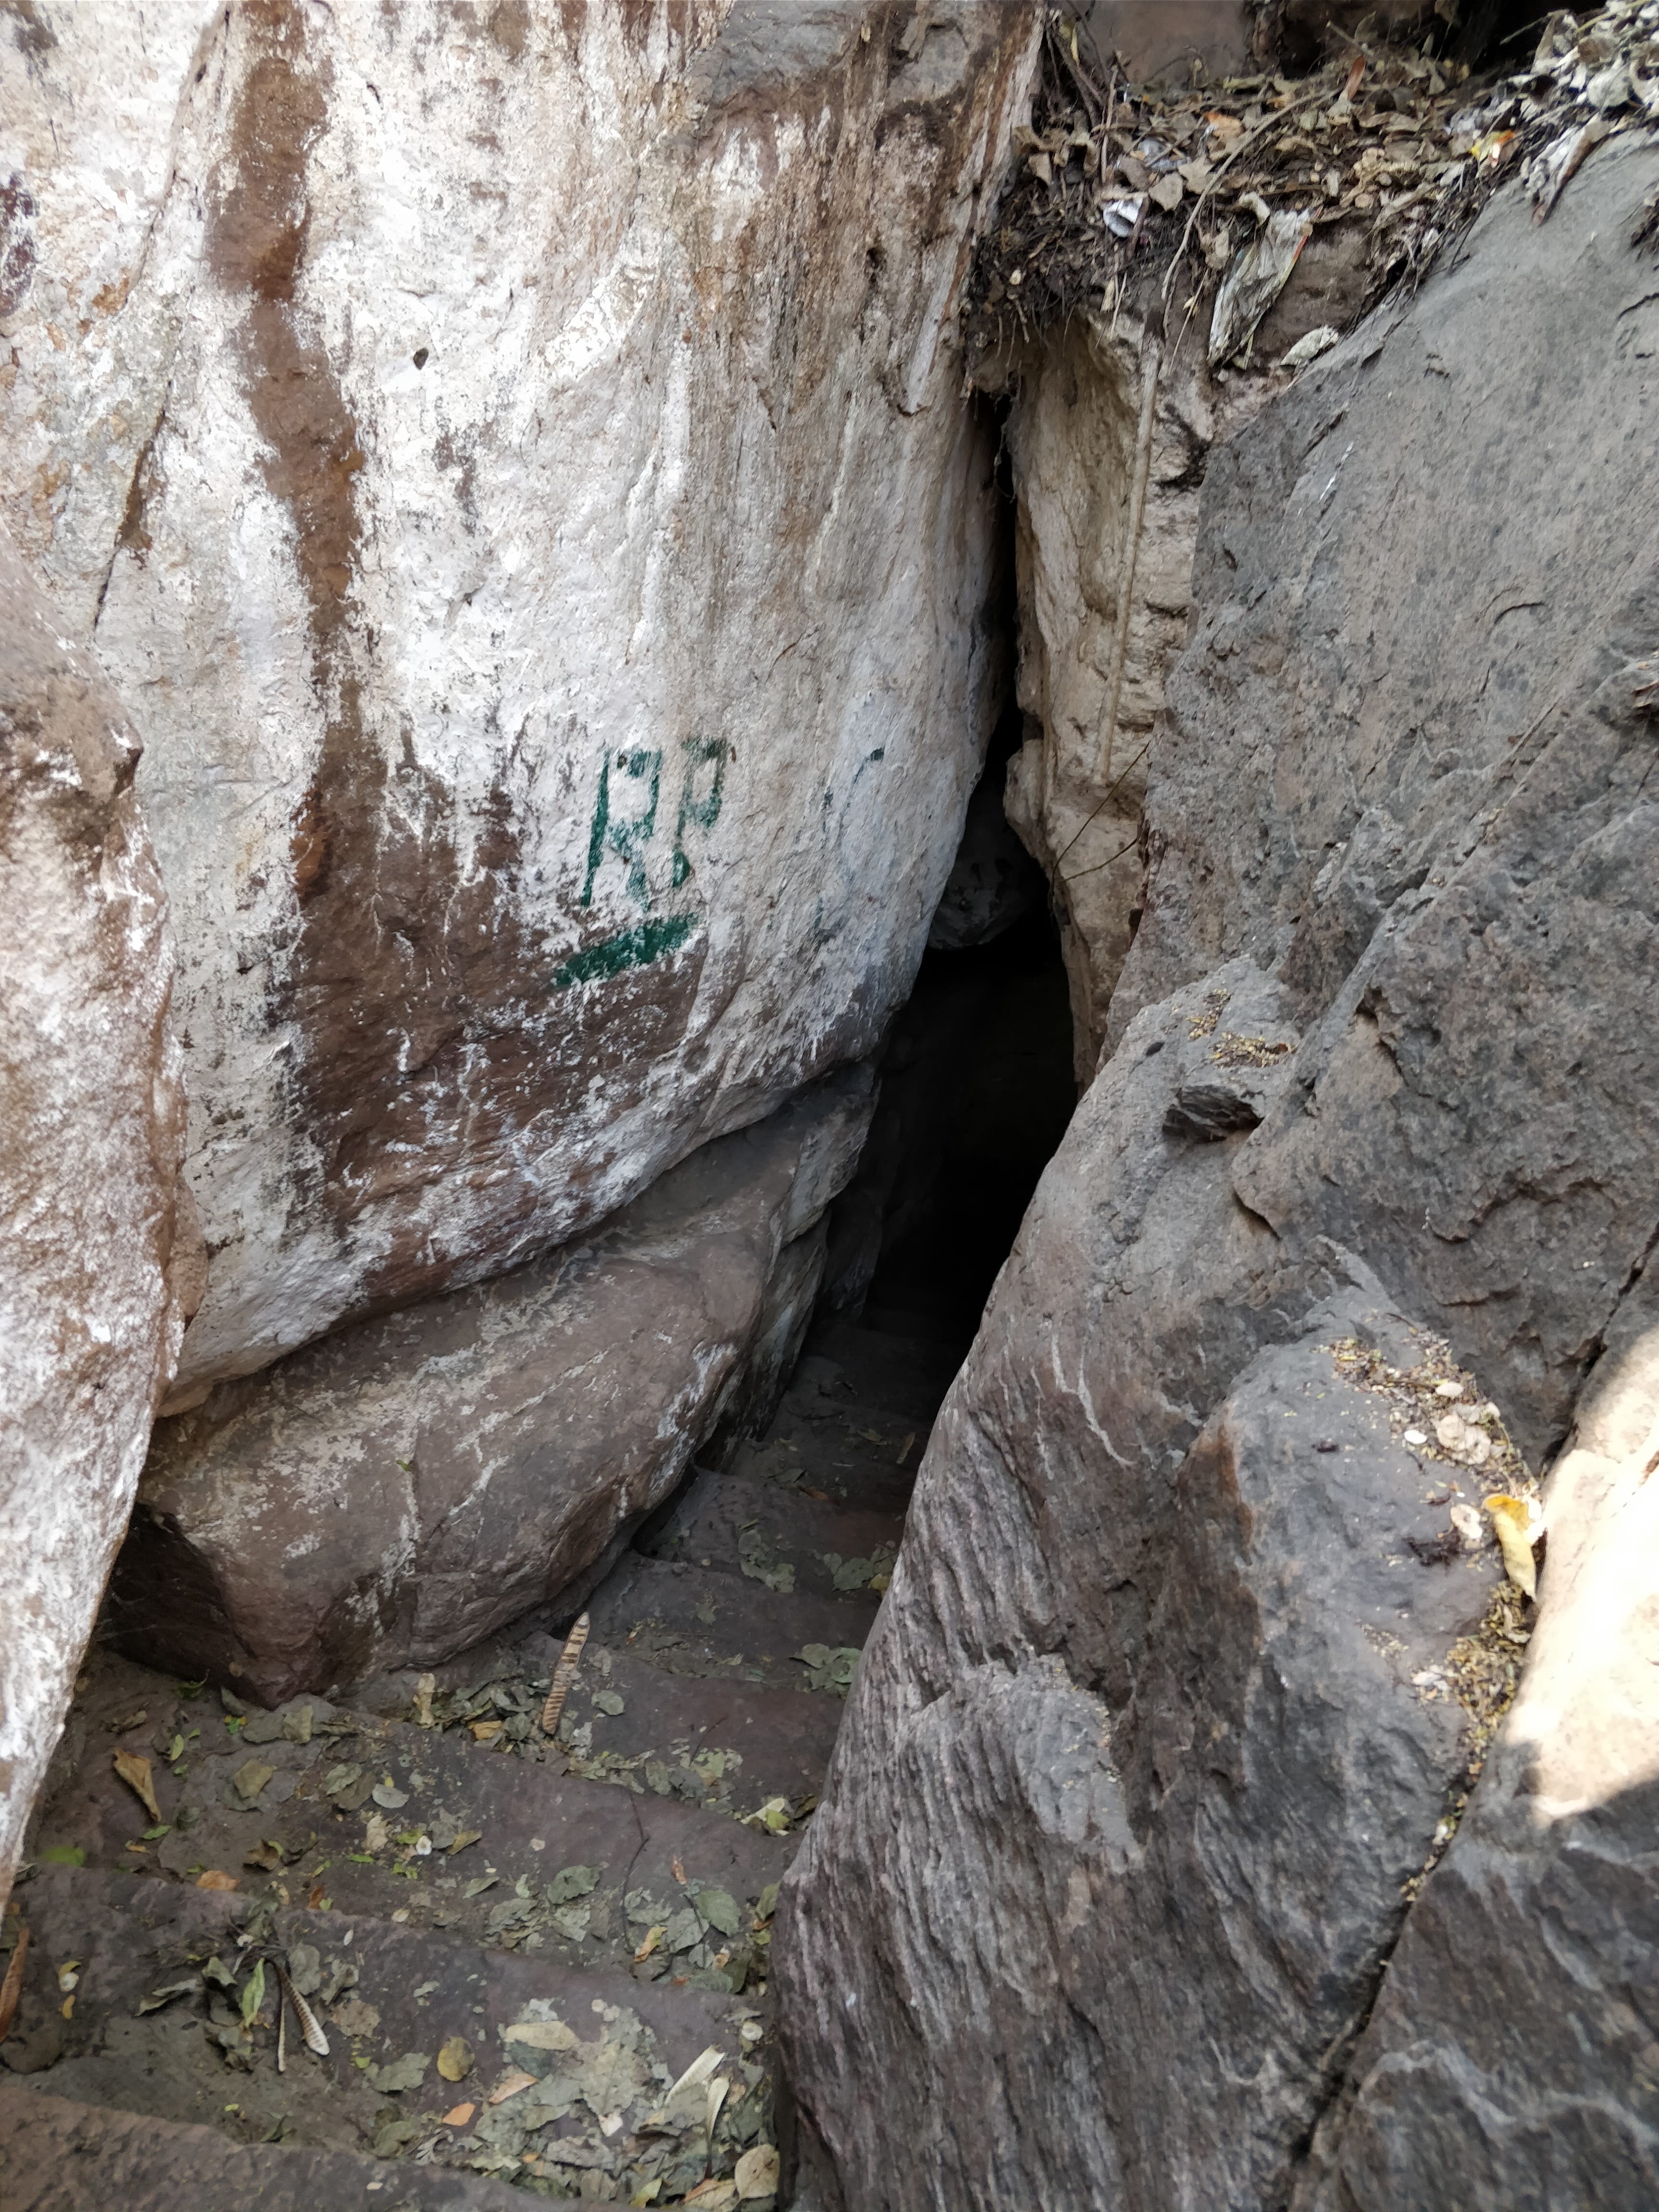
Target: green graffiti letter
(628,837)
(703,809)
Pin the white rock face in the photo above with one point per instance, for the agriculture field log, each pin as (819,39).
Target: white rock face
(92,1130)
(512,462)
(1090,679)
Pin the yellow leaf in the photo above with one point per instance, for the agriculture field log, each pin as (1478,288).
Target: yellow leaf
(509,2086)
(134,1772)
(758,2172)
(455,2059)
(1511,1517)
(653,1936)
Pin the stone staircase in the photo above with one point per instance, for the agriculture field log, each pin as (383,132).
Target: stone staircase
(538,1965)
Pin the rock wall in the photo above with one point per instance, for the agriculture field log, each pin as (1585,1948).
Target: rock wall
(1160,1731)
(95,1262)
(1104,589)
(513,461)
(387,1498)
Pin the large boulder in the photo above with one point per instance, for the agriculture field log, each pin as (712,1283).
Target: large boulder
(94,1276)
(388,1497)
(1122,1833)
(514,457)
(1407,772)
(1137,1767)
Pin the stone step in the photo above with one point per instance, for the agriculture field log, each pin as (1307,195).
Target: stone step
(696,1621)
(728,1746)
(418,2028)
(843,1459)
(778,1538)
(904,1378)
(313,1803)
(58,2156)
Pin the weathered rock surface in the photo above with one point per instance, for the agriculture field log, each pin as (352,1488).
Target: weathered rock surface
(91,1142)
(1409,771)
(513,461)
(1512,2057)
(1093,1911)
(1160,39)
(394,1494)
(1152,1769)
(1092,670)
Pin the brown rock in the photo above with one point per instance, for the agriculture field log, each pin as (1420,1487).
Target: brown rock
(91,1143)
(390,1496)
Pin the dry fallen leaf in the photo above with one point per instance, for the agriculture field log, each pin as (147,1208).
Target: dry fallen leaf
(1513,1519)
(713,2196)
(216,1878)
(563,1675)
(510,2085)
(459,2115)
(676,1868)
(697,2072)
(717,2089)
(455,2059)
(134,1772)
(758,2172)
(653,1936)
(249,1780)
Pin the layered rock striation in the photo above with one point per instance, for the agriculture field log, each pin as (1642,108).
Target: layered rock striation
(1195,1651)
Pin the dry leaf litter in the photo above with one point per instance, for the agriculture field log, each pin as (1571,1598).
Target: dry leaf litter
(1199,202)
(1438,1412)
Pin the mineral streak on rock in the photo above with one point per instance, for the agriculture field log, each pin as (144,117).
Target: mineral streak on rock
(534,510)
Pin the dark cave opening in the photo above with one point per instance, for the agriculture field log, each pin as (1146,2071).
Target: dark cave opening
(977,1069)
(977,1089)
